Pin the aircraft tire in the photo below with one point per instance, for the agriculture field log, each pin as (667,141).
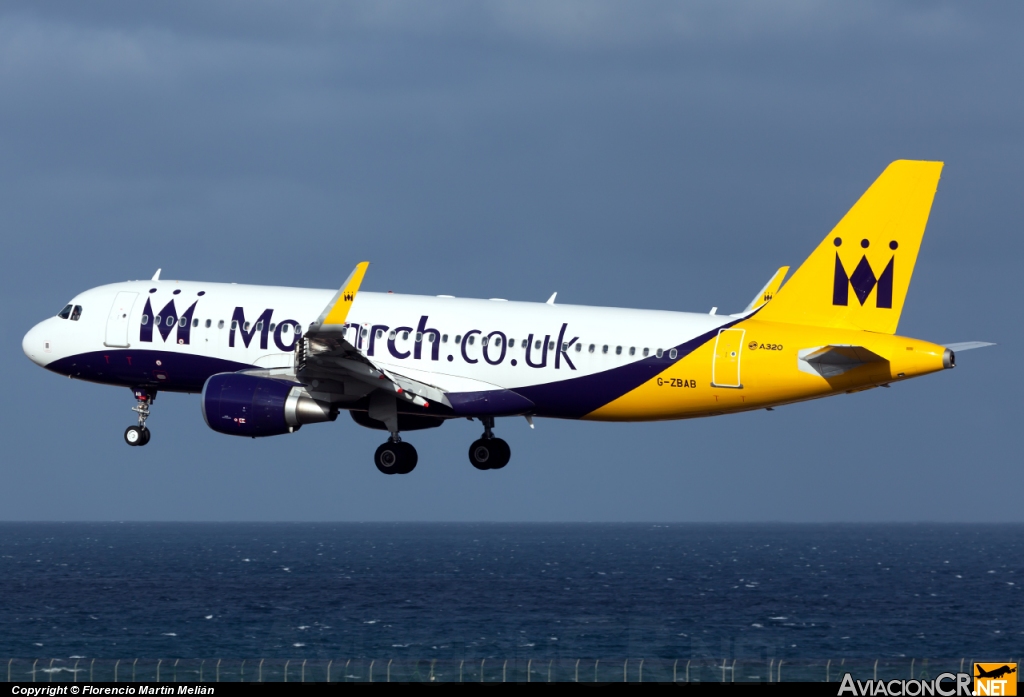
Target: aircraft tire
(388,457)
(482,453)
(146,433)
(409,458)
(133,435)
(501,453)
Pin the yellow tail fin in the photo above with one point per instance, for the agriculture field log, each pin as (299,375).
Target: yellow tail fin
(858,276)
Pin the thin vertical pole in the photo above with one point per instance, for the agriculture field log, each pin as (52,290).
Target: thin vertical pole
(595,669)
(732,678)
(723,670)
(482,669)
(345,676)
(641,670)
(74,675)
(12,661)
(912,668)
(115,670)
(389,669)
(201,664)
(625,666)
(876,669)
(529,664)
(577,670)
(175,670)
(218,670)
(503,667)
(90,669)
(674,666)
(329,669)
(828,667)
(261,670)
(771,669)
(460,669)
(37,661)
(688,670)
(9,669)
(157,669)
(286,669)
(241,671)
(133,669)
(371,669)
(49,673)
(778,674)
(432,662)
(549,669)
(303,670)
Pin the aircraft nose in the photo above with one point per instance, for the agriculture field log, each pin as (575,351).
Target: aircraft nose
(34,344)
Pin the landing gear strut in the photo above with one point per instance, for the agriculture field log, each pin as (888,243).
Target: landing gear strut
(139,435)
(395,456)
(488,452)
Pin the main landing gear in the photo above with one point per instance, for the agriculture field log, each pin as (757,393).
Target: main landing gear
(139,435)
(488,452)
(396,456)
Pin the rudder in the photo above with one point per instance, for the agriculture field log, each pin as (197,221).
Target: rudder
(858,276)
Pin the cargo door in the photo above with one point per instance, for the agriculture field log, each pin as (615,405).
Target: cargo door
(117,322)
(725,368)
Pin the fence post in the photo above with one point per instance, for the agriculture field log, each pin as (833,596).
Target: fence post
(304,671)
(912,668)
(241,671)
(625,667)
(549,669)
(828,666)
(675,665)
(286,670)
(771,669)
(371,669)
(201,664)
(577,670)
(723,670)
(74,675)
(595,668)
(115,670)
(49,673)
(133,669)
(876,669)
(159,661)
(529,664)
(218,669)
(34,669)
(641,670)
(688,669)
(482,669)
(329,669)
(503,667)
(389,669)
(175,670)
(778,675)
(460,669)
(261,670)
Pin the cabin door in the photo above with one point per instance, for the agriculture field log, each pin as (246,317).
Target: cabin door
(117,322)
(725,368)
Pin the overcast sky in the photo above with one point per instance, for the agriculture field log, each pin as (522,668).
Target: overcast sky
(645,154)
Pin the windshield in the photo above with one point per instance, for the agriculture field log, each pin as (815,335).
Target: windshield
(66,312)
(76,313)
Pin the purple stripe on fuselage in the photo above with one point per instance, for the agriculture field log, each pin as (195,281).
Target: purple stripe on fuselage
(164,370)
(577,397)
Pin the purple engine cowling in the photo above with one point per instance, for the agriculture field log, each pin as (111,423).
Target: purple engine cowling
(248,405)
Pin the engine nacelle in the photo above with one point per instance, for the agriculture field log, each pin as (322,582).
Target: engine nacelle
(248,405)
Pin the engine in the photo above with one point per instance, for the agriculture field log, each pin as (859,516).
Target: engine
(248,405)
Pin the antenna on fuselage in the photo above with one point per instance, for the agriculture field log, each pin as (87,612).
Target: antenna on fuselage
(156,276)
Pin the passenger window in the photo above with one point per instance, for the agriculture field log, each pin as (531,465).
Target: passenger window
(380,333)
(536,345)
(392,335)
(604,349)
(170,321)
(646,351)
(183,322)
(511,343)
(234,324)
(145,320)
(259,326)
(220,324)
(632,350)
(285,328)
(672,354)
(483,341)
(419,337)
(76,313)
(591,348)
(245,327)
(156,321)
(472,340)
(458,339)
(273,326)
(405,335)
(430,337)
(524,343)
(195,323)
(364,333)
(208,323)
(66,312)
(618,350)
(660,353)
(579,347)
(444,338)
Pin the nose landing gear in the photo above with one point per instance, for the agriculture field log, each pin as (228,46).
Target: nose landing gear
(488,452)
(139,435)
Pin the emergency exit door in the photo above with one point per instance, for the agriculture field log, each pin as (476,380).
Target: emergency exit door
(117,321)
(725,368)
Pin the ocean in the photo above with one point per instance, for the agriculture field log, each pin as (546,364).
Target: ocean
(545,595)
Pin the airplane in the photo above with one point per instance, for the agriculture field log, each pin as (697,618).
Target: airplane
(269,360)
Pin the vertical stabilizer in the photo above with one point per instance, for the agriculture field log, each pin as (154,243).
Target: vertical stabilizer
(858,276)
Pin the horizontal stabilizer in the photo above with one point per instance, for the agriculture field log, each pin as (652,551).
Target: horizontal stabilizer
(830,361)
(967,345)
(769,290)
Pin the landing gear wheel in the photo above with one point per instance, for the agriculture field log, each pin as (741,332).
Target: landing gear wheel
(146,433)
(395,457)
(134,435)
(489,453)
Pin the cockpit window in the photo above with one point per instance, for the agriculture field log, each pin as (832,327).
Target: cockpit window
(66,312)
(76,313)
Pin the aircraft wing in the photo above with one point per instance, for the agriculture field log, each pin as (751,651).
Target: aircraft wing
(768,292)
(327,353)
(968,345)
(832,360)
